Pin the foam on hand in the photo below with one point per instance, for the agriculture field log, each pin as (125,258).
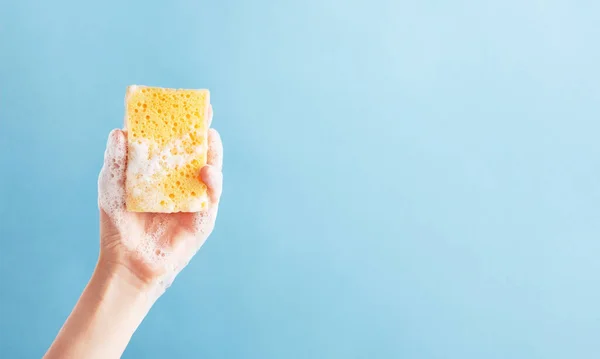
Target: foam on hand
(167,145)
(144,236)
(111,182)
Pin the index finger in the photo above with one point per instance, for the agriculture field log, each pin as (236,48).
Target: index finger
(210,114)
(215,150)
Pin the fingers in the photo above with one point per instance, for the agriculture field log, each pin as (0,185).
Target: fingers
(213,178)
(116,147)
(211,174)
(210,115)
(215,150)
(111,182)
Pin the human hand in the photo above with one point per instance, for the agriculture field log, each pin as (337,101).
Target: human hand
(140,255)
(152,248)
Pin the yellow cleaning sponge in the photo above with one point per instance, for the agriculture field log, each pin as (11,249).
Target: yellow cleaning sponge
(167,143)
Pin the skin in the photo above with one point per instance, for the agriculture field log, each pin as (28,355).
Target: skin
(125,284)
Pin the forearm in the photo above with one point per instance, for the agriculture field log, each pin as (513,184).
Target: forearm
(110,309)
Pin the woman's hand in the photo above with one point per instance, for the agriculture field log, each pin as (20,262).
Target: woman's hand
(140,255)
(152,247)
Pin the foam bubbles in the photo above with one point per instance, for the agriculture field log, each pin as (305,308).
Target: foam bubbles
(147,168)
(164,241)
(142,234)
(111,182)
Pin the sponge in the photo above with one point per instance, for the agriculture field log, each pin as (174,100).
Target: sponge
(167,133)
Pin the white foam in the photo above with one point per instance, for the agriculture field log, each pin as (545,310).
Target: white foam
(111,199)
(144,162)
(111,182)
(148,235)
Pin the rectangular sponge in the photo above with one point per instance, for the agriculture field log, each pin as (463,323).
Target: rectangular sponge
(167,143)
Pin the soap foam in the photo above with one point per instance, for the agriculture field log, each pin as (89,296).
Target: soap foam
(149,236)
(153,167)
(143,234)
(111,182)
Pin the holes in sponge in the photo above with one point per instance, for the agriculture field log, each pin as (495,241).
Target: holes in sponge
(162,203)
(193,194)
(171,196)
(147,117)
(187,115)
(144,106)
(159,110)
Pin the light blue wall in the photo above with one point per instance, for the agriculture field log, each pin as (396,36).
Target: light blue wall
(403,179)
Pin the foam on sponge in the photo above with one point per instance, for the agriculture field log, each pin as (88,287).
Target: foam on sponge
(167,133)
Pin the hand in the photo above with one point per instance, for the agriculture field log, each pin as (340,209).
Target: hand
(140,255)
(152,247)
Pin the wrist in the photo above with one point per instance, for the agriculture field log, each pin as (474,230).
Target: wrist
(129,281)
(113,283)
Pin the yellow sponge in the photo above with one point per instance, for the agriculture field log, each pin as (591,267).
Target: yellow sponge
(167,142)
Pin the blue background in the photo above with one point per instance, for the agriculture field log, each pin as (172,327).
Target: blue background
(403,179)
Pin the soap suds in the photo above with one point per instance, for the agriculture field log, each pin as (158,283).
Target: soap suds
(146,170)
(143,234)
